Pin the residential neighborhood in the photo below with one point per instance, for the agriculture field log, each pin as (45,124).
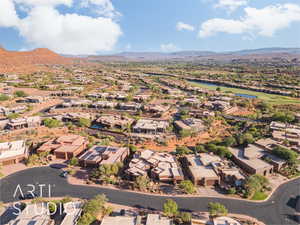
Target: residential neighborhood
(149,112)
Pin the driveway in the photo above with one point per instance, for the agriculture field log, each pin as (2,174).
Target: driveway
(278,210)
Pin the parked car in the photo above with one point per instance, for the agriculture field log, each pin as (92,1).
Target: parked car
(64,174)
(58,166)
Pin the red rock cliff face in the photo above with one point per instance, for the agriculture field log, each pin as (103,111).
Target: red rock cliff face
(29,61)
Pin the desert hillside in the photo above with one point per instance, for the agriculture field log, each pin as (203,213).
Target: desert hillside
(28,61)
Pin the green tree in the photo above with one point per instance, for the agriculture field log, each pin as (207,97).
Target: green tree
(170,208)
(255,183)
(95,206)
(73,162)
(245,139)
(200,148)
(51,123)
(20,94)
(285,117)
(187,186)
(286,154)
(223,152)
(83,122)
(231,191)
(217,209)
(142,183)
(229,141)
(132,148)
(185,133)
(12,116)
(3,97)
(183,150)
(186,217)
(86,219)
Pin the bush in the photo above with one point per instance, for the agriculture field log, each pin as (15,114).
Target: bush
(132,148)
(200,148)
(255,183)
(83,122)
(283,117)
(20,94)
(73,162)
(187,186)
(185,133)
(286,154)
(94,206)
(186,217)
(3,97)
(86,219)
(183,150)
(231,191)
(221,151)
(51,123)
(170,208)
(13,116)
(217,209)
(52,205)
(229,141)
(245,139)
(142,183)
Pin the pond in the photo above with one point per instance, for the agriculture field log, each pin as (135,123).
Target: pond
(213,86)
(245,95)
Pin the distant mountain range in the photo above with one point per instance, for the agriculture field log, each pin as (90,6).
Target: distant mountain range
(29,61)
(248,54)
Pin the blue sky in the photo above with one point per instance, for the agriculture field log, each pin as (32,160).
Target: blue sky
(109,26)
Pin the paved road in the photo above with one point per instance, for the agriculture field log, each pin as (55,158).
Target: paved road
(278,210)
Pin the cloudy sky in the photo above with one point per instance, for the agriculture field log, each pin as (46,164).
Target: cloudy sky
(109,26)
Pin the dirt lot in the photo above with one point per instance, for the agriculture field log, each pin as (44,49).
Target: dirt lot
(215,131)
(35,134)
(42,106)
(30,91)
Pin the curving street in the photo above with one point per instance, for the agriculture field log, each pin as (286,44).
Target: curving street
(278,210)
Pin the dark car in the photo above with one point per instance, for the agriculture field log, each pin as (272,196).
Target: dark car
(28,196)
(64,174)
(58,166)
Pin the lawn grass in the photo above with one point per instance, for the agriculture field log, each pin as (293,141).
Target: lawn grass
(259,196)
(270,98)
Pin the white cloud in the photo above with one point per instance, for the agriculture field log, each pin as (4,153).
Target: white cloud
(101,7)
(265,22)
(230,5)
(169,47)
(183,26)
(45,26)
(8,14)
(44,2)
